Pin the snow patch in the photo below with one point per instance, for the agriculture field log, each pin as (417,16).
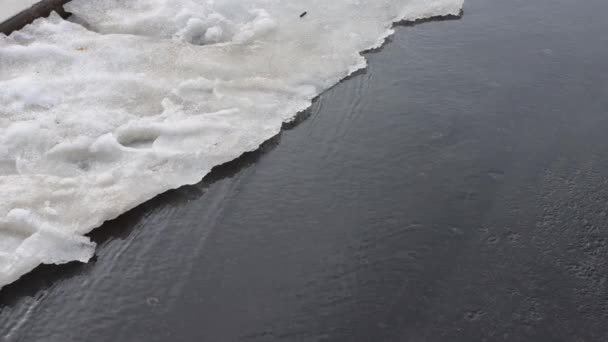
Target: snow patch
(151,95)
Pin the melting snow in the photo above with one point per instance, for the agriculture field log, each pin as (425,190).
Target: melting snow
(129,99)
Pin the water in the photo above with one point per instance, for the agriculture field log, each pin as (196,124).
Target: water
(455,191)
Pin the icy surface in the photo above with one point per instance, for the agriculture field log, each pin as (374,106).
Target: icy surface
(133,98)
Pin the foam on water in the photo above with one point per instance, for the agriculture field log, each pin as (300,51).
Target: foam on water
(133,98)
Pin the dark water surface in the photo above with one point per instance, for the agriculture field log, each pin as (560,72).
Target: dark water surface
(455,191)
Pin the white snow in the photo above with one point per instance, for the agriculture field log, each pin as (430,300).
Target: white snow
(133,98)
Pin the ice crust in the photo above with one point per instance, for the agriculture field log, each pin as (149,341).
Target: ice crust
(129,99)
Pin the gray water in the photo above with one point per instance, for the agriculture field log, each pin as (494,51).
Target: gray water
(455,191)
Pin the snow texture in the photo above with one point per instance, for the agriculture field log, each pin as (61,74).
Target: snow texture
(129,99)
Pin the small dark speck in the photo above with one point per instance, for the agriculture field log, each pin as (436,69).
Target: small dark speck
(492,240)
(303,14)
(472,316)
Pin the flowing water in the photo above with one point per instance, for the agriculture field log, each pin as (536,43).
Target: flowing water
(455,190)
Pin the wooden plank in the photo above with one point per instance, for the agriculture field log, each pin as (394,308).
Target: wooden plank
(17,13)
(10,8)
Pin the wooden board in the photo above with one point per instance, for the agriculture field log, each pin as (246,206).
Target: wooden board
(14,14)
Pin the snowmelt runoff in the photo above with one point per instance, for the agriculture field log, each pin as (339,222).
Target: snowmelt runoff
(129,99)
